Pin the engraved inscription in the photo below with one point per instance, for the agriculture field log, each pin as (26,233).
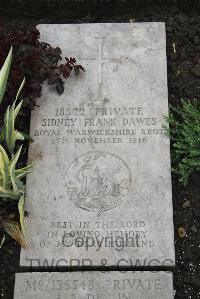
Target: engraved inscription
(99,125)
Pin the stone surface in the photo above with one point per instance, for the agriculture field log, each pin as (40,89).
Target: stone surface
(94,285)
(100,193)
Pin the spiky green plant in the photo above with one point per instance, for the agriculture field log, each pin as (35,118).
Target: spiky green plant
(184,132)
(9,134)
(4,74)
(11,184)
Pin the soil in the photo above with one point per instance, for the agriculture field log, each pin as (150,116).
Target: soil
(183,53)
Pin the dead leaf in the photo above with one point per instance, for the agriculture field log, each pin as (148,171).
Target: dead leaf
(186,204)
(13,229)
(181,232)
(174,47)
(21,213)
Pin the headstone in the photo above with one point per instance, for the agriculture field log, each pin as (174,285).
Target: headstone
(94,285)
(100,192)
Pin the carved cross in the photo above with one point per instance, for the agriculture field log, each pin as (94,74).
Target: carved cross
(101,60)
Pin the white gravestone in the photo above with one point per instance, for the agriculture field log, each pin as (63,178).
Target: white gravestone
(100,193)
(94,285)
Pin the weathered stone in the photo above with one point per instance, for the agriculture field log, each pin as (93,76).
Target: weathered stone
(100,193)
(94,285)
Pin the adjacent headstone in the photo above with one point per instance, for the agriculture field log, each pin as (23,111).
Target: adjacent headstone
(100,192)
(94,285)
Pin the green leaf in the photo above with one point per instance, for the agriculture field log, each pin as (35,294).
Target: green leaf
(4,154)
(4,74)
(8,128)
(27,136)
(19,135)
(20,89)
(10,134)
(12,166)
(5,193)
(22,172)
(16,109)
(4,167)
(4,177)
